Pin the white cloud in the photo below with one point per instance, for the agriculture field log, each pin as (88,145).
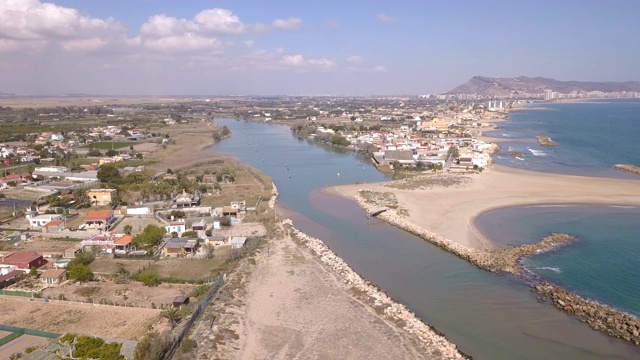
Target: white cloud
(379,68)
(30,20)
(386,19)
(287,24)
(332,23)
(355,59)
(218,21)
(184,43)
(361,69)
(249,43)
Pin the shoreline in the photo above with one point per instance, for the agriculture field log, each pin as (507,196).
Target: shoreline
(387,307)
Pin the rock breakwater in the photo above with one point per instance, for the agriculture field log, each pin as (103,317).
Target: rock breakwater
(600,317)
(381,302)
(628,167)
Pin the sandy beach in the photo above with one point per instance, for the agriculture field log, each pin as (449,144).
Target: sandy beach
(450,211)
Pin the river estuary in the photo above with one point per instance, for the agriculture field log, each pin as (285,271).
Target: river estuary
(487,316)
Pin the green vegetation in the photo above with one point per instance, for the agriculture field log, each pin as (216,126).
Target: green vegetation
(152,347)
(150,236)
(188,345)
(108,145)
(78,269)
(173,315)
(149,277)
(88,347)
(190,234)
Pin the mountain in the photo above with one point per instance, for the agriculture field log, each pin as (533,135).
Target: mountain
(488,86)
(4,94)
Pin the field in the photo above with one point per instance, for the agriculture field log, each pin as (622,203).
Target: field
(95,320)
(108,145)
(131,294)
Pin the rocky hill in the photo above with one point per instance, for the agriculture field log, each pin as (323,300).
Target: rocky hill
(482,85)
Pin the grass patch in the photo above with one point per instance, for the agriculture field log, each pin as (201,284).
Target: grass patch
(108,145)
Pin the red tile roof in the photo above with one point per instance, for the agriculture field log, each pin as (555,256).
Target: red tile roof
(22,256)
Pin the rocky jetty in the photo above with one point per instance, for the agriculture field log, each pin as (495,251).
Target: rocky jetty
(598,316)
(628,167)
(392,310)
(381,302)
(516,154)
(545,141)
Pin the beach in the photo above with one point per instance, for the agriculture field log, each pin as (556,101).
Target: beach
(450,211)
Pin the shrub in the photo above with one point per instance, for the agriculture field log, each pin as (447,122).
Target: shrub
(188,345)
(149,277)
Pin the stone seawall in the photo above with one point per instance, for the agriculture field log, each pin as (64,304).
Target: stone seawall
(392,310)
(600,317)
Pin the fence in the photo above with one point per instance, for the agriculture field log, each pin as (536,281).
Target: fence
(16,332)
(27,294)
(203,304)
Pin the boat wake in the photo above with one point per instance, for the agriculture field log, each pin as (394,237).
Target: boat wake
(554,269)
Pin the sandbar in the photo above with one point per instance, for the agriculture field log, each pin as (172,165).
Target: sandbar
(450,211)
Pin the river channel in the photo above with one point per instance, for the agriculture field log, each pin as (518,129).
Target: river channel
(487,316)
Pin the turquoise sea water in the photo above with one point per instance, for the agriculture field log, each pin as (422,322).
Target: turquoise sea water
(603,265)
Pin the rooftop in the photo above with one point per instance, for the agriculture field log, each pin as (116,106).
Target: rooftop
(22,256)
(53,273)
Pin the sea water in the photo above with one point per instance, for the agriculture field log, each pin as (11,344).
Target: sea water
(590,138)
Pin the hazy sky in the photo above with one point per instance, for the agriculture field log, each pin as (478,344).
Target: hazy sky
(307,47)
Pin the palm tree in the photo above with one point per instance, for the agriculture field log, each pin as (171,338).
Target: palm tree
(174,315)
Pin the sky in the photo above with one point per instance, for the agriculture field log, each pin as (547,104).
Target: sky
(304,47)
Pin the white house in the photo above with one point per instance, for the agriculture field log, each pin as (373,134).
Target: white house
(178,226)
(36,221)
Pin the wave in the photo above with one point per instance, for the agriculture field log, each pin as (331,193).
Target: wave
(554,269)
(537,152)
(507,135)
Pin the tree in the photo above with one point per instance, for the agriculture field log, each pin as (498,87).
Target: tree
(80,272)
(94,152)
(177,214)
(151,235)
(190,234)
(33,272)
(127,229)
(208,249)
(108,173)
(174,315)
(111,153)
(80,196)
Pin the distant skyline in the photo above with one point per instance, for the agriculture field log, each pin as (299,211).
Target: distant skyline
(328,47)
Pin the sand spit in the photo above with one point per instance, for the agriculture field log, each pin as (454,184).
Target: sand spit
(600,317)
(397,313)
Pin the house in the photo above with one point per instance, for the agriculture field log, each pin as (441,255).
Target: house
(54,276)
(186,200)
(178,226)
(179,247)
(101,196)
(199,226)
(53,226)
(216,240)
(8,275)
(23,260)
(230,211)
(138,210)
(237,242)
(101,219)
(123,244)
(36,221)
